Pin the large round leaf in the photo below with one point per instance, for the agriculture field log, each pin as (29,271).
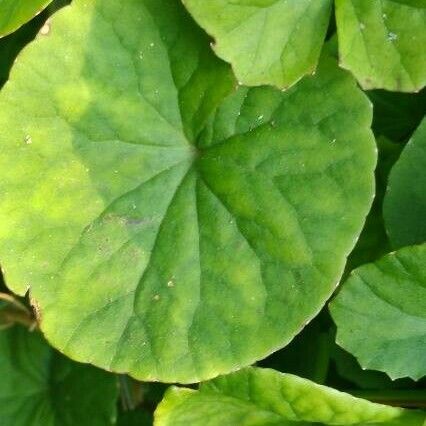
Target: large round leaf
(268,41)
(380,314)
(405,201)
(258,397)
(14,13)
(40,387)
(383,42)
(160,234)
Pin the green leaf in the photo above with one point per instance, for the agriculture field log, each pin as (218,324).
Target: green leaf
(164,228)
(380,314)
(374,381)
(383,43)
(278,41)
(259,397)
(405,201)
(11,45)
(40,387)
(267,41)
(15,13)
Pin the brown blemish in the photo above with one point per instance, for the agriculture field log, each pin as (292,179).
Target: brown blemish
(36,308)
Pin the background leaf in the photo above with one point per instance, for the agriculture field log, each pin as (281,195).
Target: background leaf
(378,382)
(383,43)
(40,387)
(380,313)
(267,41)
(405,201)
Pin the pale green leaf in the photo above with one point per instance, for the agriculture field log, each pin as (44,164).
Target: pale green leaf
(278,41)
(267,41)
(11,45)
(40,387)
(380,313)
(383,43)
(164,228)
(260,397)
(14,13)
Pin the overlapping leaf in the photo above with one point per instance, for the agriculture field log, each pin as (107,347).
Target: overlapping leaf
(15,13)
(166,228)
(371,381)
(278,41)
(383,42)
(39,387)
(381,314)
(405,201)
(11,45)
(268,41)
(260,397)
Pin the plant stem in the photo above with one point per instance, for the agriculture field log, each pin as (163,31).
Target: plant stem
(126,393)
(10,316)
(14,301)
(322,361)
(16,312)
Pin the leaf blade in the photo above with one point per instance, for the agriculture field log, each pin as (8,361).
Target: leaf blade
(41,387)
(377,46)
(267,42)
(140,274)
(15,13)
(382,305)
(256,396)
(405,188)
